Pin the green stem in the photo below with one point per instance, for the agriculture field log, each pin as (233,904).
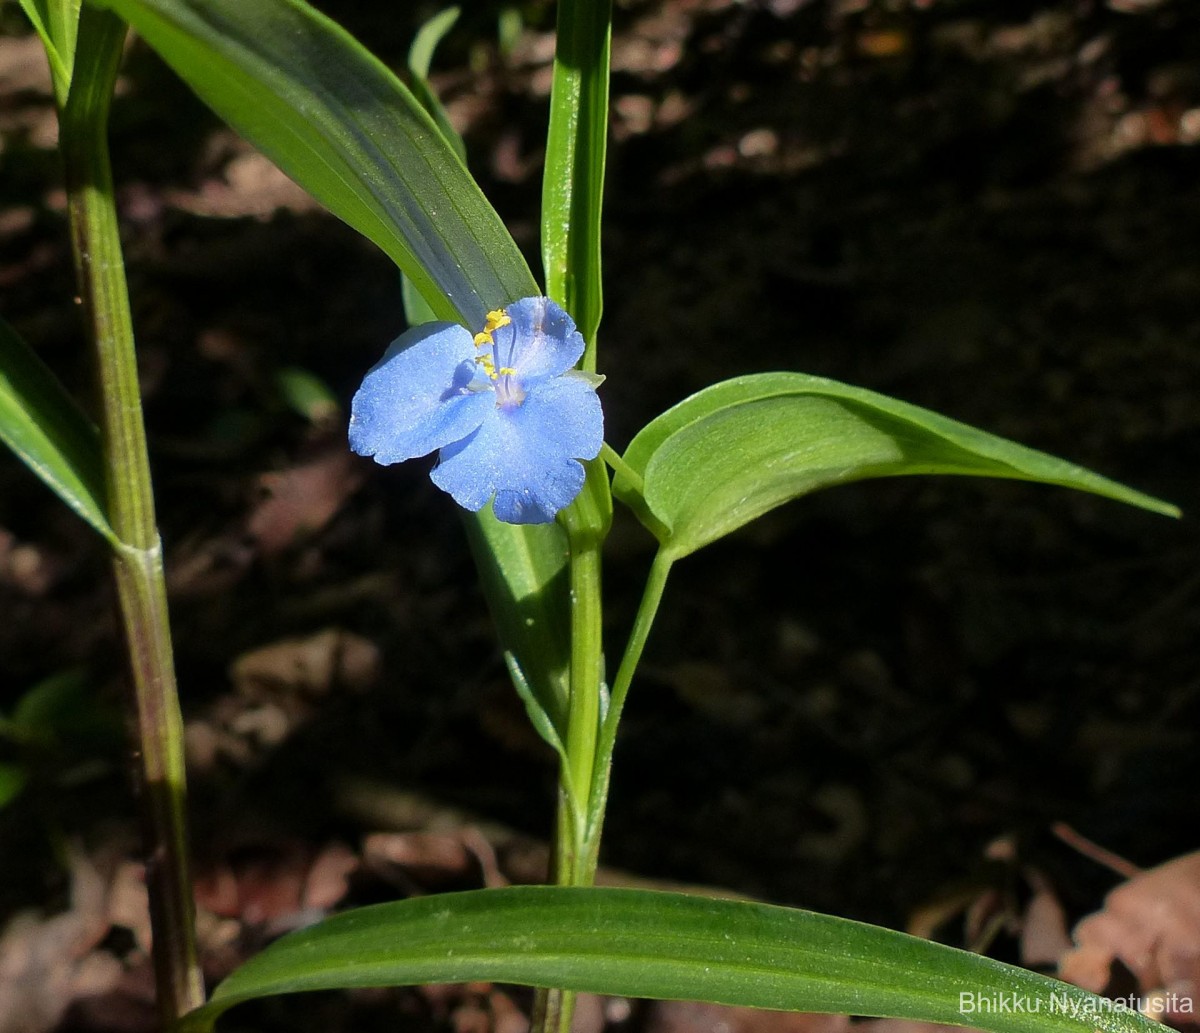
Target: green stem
(631,488)
(656,582)
(137,561)
(584,722)
(572,193)
(621,468)
(553,1008)
(586,521)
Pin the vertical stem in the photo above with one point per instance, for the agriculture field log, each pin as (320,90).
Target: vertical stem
(137,561)
(553,1008)
(587,521)
(572,195)
(584,722)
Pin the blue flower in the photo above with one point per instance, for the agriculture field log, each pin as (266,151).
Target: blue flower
(507,411)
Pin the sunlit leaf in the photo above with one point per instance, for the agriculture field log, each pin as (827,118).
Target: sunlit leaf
(638,943)
(573,182)
(740,448)
(521,566)
(420,58)
(337,121)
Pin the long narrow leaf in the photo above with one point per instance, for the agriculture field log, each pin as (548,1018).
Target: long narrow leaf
(341,125)
(521,566)
(573,184)
(420,58)
(639,943)
(333,117)
(42,424)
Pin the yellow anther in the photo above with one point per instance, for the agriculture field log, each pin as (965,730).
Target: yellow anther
(496,319)
(483,339)
(507,371)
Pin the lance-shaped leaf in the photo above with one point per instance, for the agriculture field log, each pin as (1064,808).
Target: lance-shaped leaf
(522,566)
(420,59)
(341,125)
(332,116)
(42,424)
(737,449)
(573,182)
(639,943)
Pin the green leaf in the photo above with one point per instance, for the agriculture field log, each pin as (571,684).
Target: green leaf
(51,703)
(42,424)
(523,570)
(57,23)
(306,394)
(425,43)
(638,943)
(333,117)
(13,778)
(737,449)
(64,709)
(521,567)
(341,125)
(420,58)
(510,23)
(539,716)
(573,182)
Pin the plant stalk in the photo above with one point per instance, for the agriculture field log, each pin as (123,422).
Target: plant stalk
(137,560)
(587,521)
(643,621)
(572,195)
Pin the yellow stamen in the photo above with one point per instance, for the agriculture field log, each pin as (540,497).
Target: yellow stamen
(496,319)
(483,339)
(489,367)
(507,371)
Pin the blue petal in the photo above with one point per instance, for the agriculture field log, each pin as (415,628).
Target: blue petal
(420,396)
(527,456)
(541,341)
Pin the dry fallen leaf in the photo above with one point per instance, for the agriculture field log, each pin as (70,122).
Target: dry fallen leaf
(312,666)
(280,887)
(46,964)
(696,1017)
(1151,924)
(303,498)
(1044,937)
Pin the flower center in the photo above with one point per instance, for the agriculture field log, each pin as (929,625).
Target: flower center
(509,392)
